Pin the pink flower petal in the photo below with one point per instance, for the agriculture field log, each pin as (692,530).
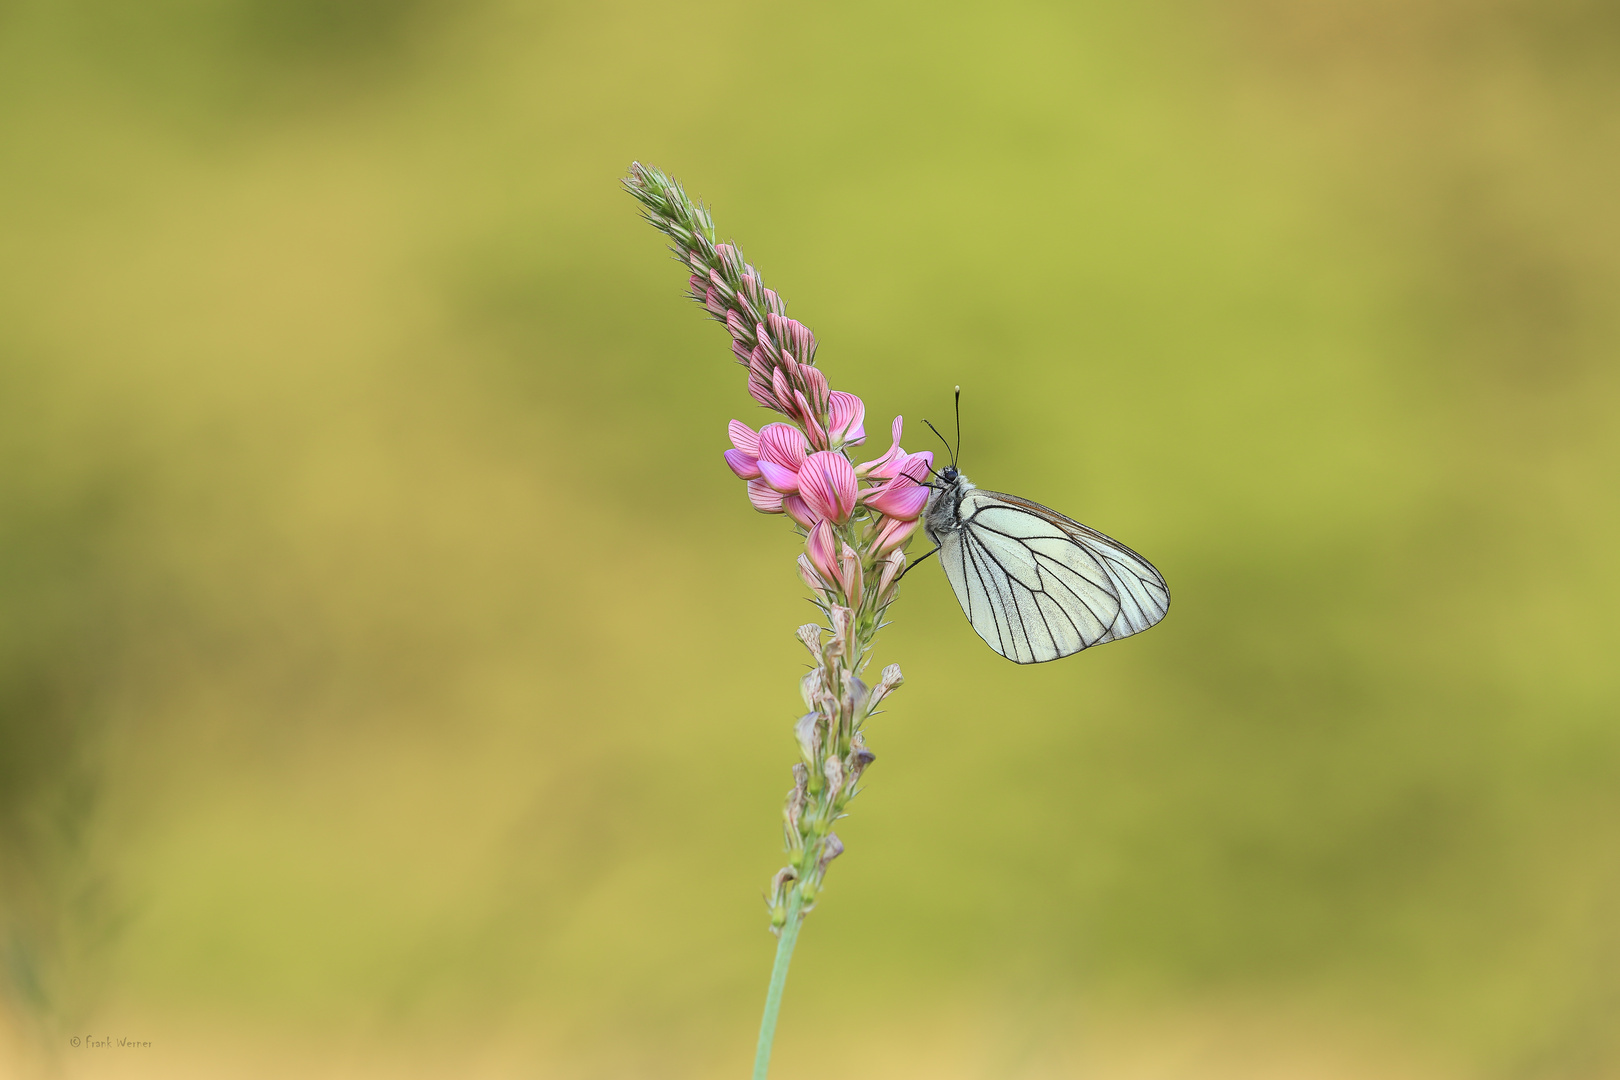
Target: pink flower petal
(743,437)
(917,466)
(827,484)
(765,500)
(901,498)
(784,480)
(746,468)
(797,509)
(894,533)
(782,444)
(821,546)
(846,412)
(885,466)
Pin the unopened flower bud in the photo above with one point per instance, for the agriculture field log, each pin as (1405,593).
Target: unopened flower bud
(849,570)
(780,389)
(808,415)
(819,545)
(795,337)
(816,388)
(751,286)
(731,259)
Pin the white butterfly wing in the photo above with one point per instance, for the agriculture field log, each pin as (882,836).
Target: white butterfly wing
(1038,586)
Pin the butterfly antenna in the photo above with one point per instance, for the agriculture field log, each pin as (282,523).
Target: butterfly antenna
(955,453)
(942,439)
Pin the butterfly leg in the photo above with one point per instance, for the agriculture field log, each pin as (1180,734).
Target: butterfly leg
(907,570)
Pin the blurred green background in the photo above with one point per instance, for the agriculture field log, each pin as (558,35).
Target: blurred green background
(394,683)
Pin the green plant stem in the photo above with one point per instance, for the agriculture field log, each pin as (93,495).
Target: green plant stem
(773,996)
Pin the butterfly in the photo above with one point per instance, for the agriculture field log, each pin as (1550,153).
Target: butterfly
(1036,585)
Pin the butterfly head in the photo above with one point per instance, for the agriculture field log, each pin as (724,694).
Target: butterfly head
(949,474)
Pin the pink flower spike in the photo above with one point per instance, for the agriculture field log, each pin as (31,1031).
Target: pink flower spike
(894,533)
(819,545)
(797,509)
(746,468)
(743,437)
(828,486)
(845,420)
(781,455)
(883,468)
(766,499)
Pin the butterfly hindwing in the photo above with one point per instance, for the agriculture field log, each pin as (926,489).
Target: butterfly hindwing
(1037,585)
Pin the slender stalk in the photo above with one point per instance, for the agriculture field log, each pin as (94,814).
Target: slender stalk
(773,996)
(856,521)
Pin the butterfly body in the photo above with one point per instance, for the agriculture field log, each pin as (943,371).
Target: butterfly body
(1037,585)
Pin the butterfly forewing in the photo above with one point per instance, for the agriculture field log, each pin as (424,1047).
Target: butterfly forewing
(1037,585)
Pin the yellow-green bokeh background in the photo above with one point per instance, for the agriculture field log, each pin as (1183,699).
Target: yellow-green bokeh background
(393,682)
